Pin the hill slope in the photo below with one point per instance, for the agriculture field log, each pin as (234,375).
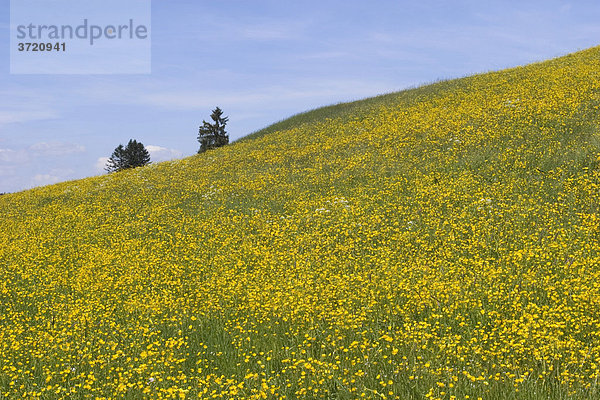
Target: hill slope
(438,242)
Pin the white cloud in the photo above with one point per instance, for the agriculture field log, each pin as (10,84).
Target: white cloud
(20,104)
(11,117)
(565,8)
(53,176)
(13,156)
(101,164)
(324,55)
(44,179)
(56,148)
(32,166)
(7,170)
(158,154)
(273,32)
(261,30)
(314,91)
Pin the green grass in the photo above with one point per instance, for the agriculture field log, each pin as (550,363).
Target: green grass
(439,242)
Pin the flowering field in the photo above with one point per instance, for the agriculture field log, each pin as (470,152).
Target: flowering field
(441,242)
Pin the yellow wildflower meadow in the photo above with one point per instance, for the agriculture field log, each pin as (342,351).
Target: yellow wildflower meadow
(441,243)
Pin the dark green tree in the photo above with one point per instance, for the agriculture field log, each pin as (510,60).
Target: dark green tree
(131,156)
(137,155)
(213,135)
(116,162)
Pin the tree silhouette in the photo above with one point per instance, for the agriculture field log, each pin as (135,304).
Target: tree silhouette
(213,135)
(131,156)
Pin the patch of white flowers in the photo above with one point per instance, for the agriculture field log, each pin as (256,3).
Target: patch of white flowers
(484,203)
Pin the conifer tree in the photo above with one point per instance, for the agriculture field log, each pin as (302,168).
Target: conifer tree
(213,135)
(131,156)
(116,162)
(136,154)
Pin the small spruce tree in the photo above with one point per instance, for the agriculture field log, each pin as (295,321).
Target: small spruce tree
(137,155)
(213,135)
(116,162)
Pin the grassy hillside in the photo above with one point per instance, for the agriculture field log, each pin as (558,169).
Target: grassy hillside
(441,242)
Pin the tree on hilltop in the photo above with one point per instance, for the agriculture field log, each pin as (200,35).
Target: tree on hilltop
(213,135)
(131,156)
(116,162)
(137,155)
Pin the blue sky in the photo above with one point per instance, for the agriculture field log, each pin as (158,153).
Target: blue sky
(262,61)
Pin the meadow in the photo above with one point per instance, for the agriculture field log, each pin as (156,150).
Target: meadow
(440,243)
